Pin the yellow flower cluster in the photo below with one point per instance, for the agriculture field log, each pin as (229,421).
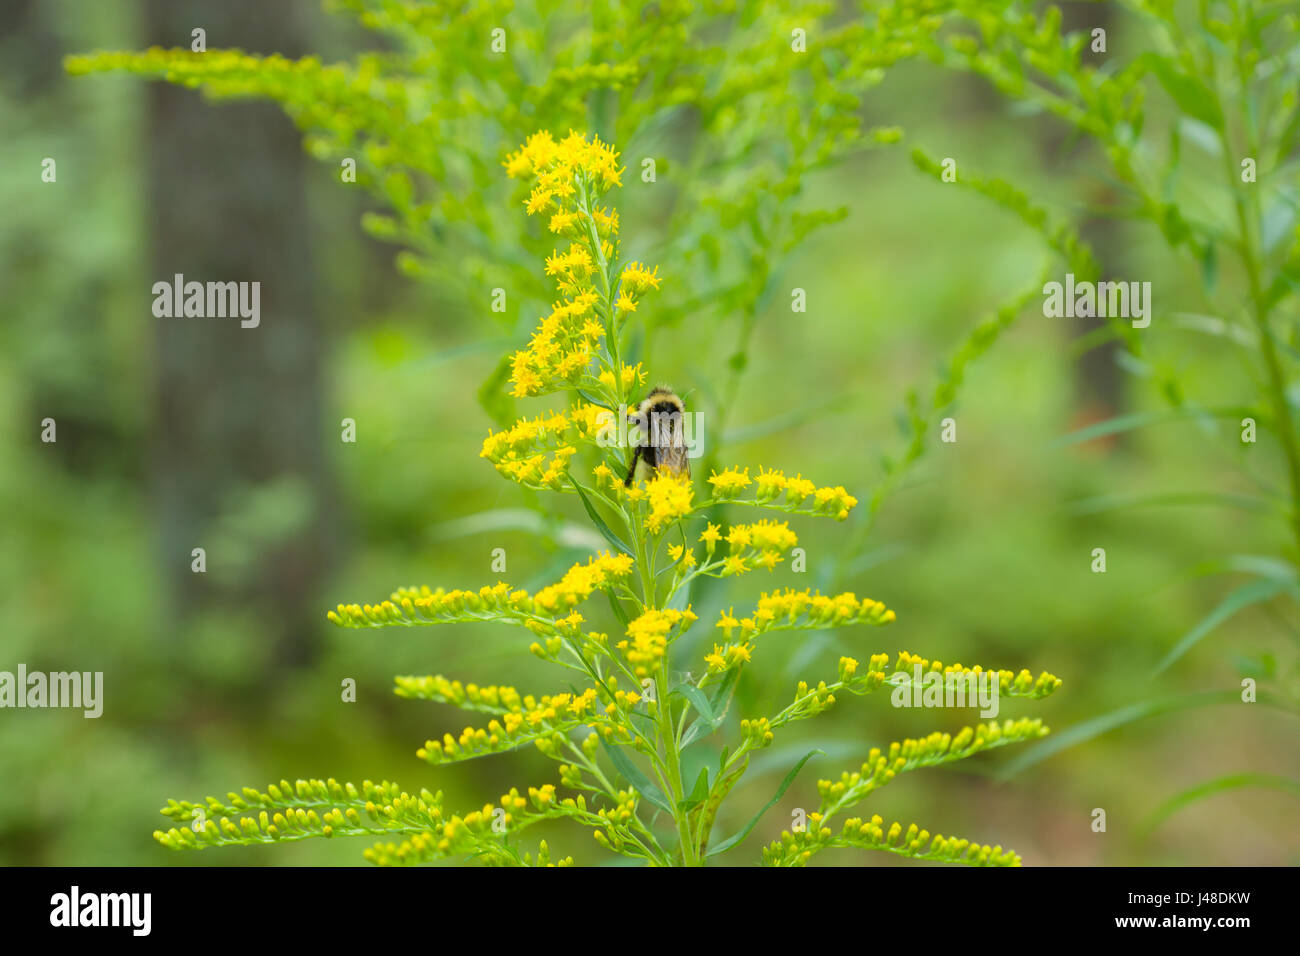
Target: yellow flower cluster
(762,535)
(648,636)
(535,452)
(474,833)
(605,477)
(496,603)
(388,796)
(530,720)
(760,544)
(489,699)
(567,338)
(669,497)
(1023,684)
(521,452)
(570,223)
(638,280)
(588,420)
(730,482)
(524,435)
(326,808)
(425,606)
(682,554)
(628,374)
(801,495)
(572,271)
(554,166)
(544,858)
(881,768)
(809,702)
(568,177)
(848,667)
(623,811)
(789,609)
(617,819)
(730,655)
(623,701)
(758,732)
(796,849)
(581,580)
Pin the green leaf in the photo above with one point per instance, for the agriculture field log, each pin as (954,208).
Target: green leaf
(1192,95)
(1212,325)
(697,700)
(1263,566)
(698,729)
(1210,267)
(599,522)
(718,701)
(1115,502)
(698,792)
(1209,788)
(710,717)
(619,613)
(492,398)
(594,399)
(731,841)
(1202,136)
(681,597)
(1278,223)
(567,533)
(639,781)
(1244,596)
(1125,423)
(1090,729)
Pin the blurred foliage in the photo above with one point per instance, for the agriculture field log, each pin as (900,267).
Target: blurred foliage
(721,121)
(978,549)
(1227,202)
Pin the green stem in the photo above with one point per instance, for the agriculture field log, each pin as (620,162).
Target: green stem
(1260,314)
(672,757)
(671,774)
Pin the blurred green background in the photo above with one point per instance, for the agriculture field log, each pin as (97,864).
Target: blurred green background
(176,436)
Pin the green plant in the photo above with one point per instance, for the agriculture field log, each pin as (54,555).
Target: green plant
(1198,125)
(619,734)
(717,86)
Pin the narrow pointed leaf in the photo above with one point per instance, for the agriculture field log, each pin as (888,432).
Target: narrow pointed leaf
(1244,596)
(731,841)
(639,781)
(599,522)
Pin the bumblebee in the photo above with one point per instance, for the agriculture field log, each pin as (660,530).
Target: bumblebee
(659,419)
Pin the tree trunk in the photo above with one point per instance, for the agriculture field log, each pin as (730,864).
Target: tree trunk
(238,410)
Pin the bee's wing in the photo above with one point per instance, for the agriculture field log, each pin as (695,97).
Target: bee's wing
(674,459)
(668,451)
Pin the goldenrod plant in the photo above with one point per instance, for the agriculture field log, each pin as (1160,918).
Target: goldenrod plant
(411,122)
(630,705)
